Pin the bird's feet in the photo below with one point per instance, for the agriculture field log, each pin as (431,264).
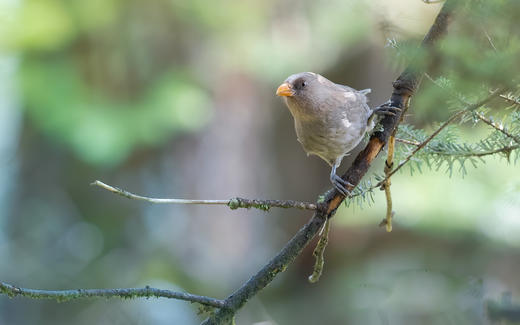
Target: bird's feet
(340,184)
(387,109)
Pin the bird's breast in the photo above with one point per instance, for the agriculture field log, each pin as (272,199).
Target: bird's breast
(329,140)
(329,125)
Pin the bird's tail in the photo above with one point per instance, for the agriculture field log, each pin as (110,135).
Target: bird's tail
(365,91)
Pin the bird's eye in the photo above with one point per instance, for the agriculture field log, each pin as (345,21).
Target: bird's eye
(303,84)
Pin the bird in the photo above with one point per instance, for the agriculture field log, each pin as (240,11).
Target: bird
(330,119)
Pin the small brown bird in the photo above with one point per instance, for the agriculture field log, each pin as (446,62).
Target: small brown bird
(330,119)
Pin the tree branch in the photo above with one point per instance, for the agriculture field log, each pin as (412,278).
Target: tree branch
(234,203)
(64,295)
(404,87)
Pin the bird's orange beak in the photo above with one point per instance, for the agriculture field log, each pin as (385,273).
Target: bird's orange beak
(285,89)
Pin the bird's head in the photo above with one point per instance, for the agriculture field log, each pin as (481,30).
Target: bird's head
(303,92)
(297,85)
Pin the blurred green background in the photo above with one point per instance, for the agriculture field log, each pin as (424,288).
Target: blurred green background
(175,98)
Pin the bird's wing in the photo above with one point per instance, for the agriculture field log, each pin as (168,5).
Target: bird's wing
(347,88)
(351,99)
(354,99)
(365,91)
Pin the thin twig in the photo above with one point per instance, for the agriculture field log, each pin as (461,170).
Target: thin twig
(386,185)
(319,253)
(506,150)
(448,90)
(234,203)
(508,98)
(425,142)
(497,127)
(479,115)
(489,39)
(511,99)
(389,164)
(147,292)
(410,142)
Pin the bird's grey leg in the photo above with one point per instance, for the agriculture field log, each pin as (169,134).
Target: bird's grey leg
(338,182)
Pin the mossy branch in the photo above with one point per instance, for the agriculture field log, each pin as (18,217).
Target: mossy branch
(319,253)
(129,293)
